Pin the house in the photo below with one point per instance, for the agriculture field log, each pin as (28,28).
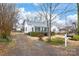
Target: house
(54,29)
(35,26)
(31,26)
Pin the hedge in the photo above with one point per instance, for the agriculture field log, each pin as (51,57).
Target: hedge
(75,37)
(35,34)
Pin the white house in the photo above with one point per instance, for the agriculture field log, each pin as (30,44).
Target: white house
(31,26)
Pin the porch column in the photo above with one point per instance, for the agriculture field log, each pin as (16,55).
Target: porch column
(40,29)
(34,29)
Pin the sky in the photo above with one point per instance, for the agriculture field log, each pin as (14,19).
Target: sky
(34,7)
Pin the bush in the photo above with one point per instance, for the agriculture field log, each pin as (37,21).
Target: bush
(56,41)
(45,33)
(35,34)
(75,37)
(5,39)
(53,33)
(40,37)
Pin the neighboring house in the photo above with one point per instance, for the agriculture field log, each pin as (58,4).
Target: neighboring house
(68,29)
(55,29)
(63,30)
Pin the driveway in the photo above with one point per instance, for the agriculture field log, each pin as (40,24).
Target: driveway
(24,46)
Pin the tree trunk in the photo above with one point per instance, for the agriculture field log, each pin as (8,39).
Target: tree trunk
(49,31)
(78,18)
(50,10)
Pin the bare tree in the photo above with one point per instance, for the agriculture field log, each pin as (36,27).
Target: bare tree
(48,10)
(7,18)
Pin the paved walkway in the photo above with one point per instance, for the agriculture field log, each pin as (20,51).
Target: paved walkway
(28,47)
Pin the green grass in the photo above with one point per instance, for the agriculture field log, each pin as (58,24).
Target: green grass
(75,38)
(56,41)
(5,40)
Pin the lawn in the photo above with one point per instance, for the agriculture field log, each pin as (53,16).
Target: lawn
(5,40)
(56,41)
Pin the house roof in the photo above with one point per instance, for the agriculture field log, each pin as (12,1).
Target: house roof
(37,24)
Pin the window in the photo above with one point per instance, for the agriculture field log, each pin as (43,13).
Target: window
(37,29)
(32,29)
(45,29)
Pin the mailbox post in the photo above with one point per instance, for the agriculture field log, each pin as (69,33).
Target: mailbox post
(66,38)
